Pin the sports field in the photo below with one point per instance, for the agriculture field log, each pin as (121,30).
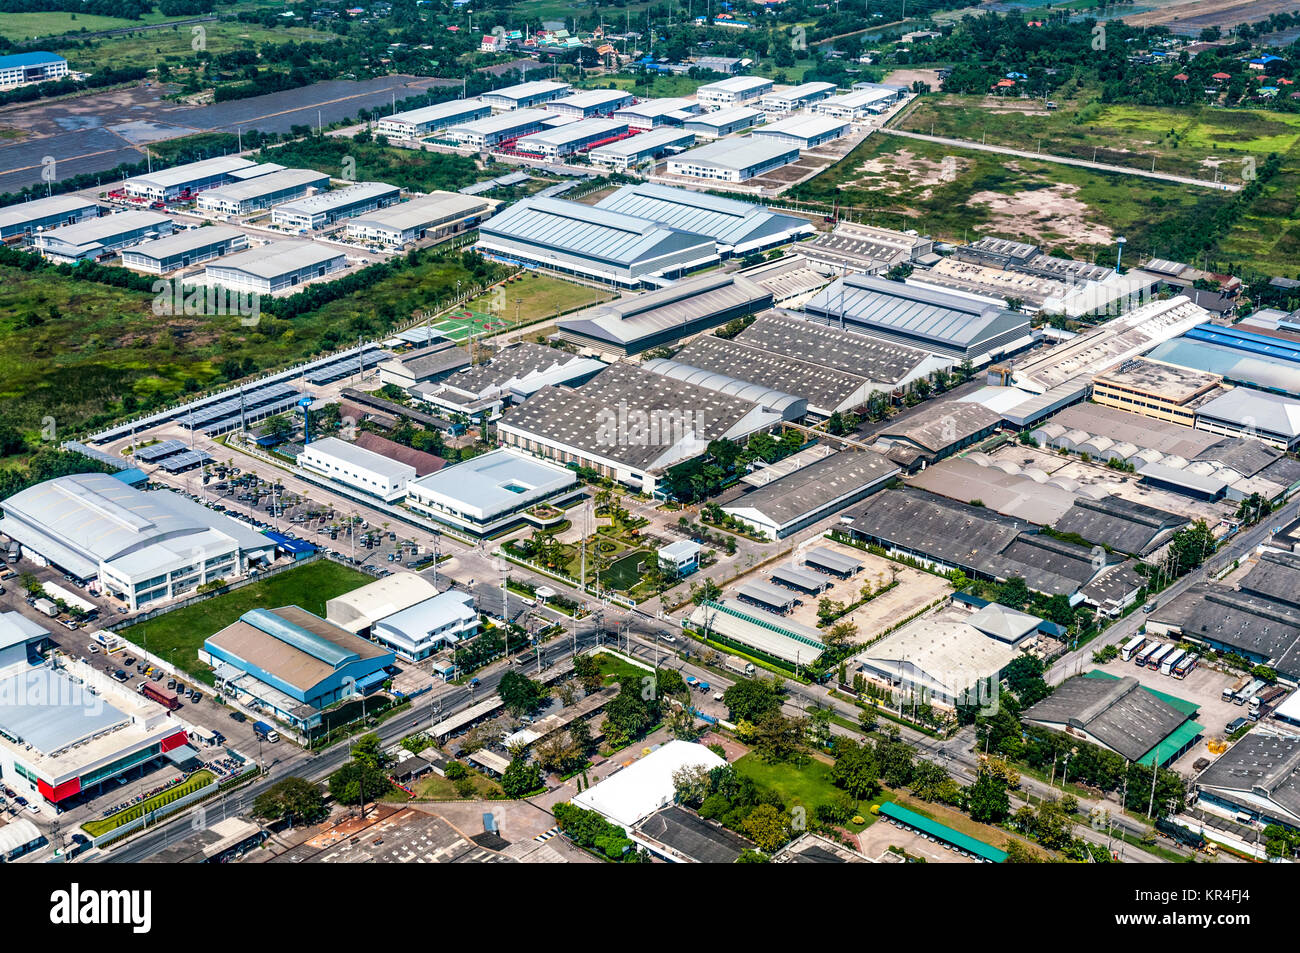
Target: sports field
(521,300)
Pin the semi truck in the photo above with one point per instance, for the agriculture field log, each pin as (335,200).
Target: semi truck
(1230,692)
(163,696)
(265,731)
(1247,693)
(739,666)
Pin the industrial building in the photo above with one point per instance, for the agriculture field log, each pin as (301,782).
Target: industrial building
(437,215)
(795,98)
(936,431)
(525,95)
(94,238)
(758,633)
(629,423)
(1257,778)
(275,266)
(489,492)
(739,228)
(631,152)
(293,664)
(326,208)
(357,611)
(1245,412)
(949,657)
(589,103)
(1120,525)
(418,123)
(26,218)
(724,122)
(183,249)
(732,91)
(941,323)
(570,138)
(37,66)
(1120,715)
(850,248)
(653,113)
(168,184)
(363,470)
(139,547)
(511,375)
(424,366)
(1158,391)
(806,132)
(636,323)
(799,499)
(859,104)
(592,243)
(253,195)
(416,632)
(632,794)
(492,131)
(734,160)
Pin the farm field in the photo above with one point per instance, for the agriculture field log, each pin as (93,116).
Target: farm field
(958,195)
(412,169)
(27,26)
(147,48)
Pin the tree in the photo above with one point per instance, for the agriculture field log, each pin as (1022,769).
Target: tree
(840,634)
(776,738)
(587,670)
(292,799)
(705,591)
(521,778)
(1018,852)
(691,784)
(767,827)
(856,769)
(752,698)
(897,761)
(1014,593)
(519,693)
(927,780)
(364,778)
(988,800)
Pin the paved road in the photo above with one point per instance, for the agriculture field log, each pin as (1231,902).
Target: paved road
(1066,160)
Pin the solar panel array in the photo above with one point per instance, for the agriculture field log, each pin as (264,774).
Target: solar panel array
(155,452)
(337,370)
(185,461)
(116,463)
(253,400)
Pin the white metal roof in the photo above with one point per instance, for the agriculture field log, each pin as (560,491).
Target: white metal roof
(277,258)
(181,174)
(646,785)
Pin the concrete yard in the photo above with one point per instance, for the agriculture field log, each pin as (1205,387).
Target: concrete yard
(882,835)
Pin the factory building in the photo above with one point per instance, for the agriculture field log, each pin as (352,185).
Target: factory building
(326,208)
(183,249)
(418,123)
(275,266)
(96,238)
(26,218)
(733,160)
(168,184)
(525,95)
(437,216)
(253,195)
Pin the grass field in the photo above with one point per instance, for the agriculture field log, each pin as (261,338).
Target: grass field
(177,636)
(75,350)
(960,194)
(531,297)
(658,86)
(435,788)
(27,26)
(806,785)
(148,48)
(409,168)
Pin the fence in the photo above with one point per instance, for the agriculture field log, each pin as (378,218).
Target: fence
(156,814)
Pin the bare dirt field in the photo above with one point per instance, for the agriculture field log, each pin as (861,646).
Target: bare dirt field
(1045,214)
(1182,15)
(905,170)
(906,77)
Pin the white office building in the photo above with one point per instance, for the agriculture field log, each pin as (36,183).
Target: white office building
(488,492)
(261,192)
(418,631)
(326,208)
(371,473)
(418,123)
(732,91)
(20,69)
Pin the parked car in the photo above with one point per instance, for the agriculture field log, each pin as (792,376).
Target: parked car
(120,675)
(238,716)
(128,661)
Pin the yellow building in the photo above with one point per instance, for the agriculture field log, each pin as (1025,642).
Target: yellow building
(1155,390)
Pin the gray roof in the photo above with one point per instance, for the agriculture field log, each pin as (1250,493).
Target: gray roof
(1240,620)
(178,243)
(423,210)
(798,578)
(181,174)
(427,114)
(338,198)
(1121,524)
(832,348)
(804,127)
(1276,576)
(278,258)
(503,121)
(767,594)
(823,387)
(435,360)
(1114,586)
(927,317)
(691,836)
(831,559)
(1242,406)
(1241,455)
(21,212)
(91,230)
(266,184)
(938,426)
(590,232)
(572,132)
(727,221)
(527,90)
(816,485)
(1259,765)
(651,139)
(47,709)
(738,154)
(1119,713)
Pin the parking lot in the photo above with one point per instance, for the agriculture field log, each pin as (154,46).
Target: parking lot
(883,834)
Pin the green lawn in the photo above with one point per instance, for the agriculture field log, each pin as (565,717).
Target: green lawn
(174,44)
(435,788)
(531,297)
(114,821)
(805,785)
(27,26)
(177,636)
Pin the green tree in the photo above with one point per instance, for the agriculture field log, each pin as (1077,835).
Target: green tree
(750,699)
(767,827)
(293,799)
(521,778)
(856,769)
(520,694)
(988,800)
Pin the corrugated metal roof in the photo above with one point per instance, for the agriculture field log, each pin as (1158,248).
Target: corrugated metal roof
(739,154)
(277,258)
(645,142)
(181,174)
(502,122)
(526,90)
(265,184)
(427,114)
(339,198)
(178,243)
(42,208)
(727,221)
(578,131)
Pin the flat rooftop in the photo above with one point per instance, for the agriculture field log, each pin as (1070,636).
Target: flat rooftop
(738,154)
(338,198)
(1167,381)
(277,258)
(497,482)
(178,243)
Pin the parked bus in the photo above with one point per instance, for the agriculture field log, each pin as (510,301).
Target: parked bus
(1169,661)
(1145,653)
(1185,665)
(1156,657)
(1133,645)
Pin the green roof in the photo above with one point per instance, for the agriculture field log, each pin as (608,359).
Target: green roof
(1181,704)
(1174,742)
(943,832)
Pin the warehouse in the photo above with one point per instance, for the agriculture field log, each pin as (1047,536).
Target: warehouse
(492,131)
(363,470)
(416,632)
(525,95)
(795,98)
(19,69)
(1233,365)
(276,266)
(951,656)
(936,431)
(800,499)
(755,632)
(511,375)
(142,547)
(857,105)
(40,215)
(168,184)
(326,208)
(629,423)
(437,215)
(589,103)
(940,323)
(637,323)
(1119,715)
(739,228)
(182,249)
(94,238)
(632,794)
(806,132)
(1260,628)
(736,160)
(241,198)
(1244,412)
(358,610)
(573,137)
(489,492)
(864,249)
(418,123)
(1124,526)
(1159,391)
(724,122)
(1256,777)
(732,91)
(293,664)
(592,243)
(652,113)
(633,151)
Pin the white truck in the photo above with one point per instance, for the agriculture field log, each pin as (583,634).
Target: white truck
(47,607)
(739,666)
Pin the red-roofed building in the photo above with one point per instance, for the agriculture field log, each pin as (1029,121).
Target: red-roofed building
(1181,78)
(1221,77)
(424,463)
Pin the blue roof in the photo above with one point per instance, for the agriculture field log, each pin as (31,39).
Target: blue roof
(1247,341)
(290,544)
(312,644)
(36,58)
(132,476)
